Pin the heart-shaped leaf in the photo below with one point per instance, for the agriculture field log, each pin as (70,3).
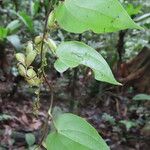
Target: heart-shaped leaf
(74,133)
(100,16)
(71,54)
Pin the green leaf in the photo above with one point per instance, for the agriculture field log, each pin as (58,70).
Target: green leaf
(60,66)
(35,7)
(128,124)
(71,54)
(141,97)
(13,26)
(30,139)
(3,33)
(100,16)
(133,10)
(26,19)
(74,133)
(108,118)
(15,41)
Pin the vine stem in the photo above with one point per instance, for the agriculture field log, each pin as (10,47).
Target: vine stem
(41,54)
(44,35)
(49,116)
(52,93)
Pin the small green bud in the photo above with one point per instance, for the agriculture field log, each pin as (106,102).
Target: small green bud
(31,73)
(22,70)
(38,39)
(30,57)
(38,48)
(51,19)
(32,78)
(21,58)
(34,82)
(51,44)
(30,53)
(29,47)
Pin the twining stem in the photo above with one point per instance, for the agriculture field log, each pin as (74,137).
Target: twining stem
(44,35)
(52,93)
(41,55)
(74,85)
(49,116)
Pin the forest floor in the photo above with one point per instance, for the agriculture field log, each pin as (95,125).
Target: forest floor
(18,120)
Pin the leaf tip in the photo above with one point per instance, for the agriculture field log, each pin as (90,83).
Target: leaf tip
(139,27)
(117,83)
(120,84)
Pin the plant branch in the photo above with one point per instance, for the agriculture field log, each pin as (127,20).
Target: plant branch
(74,84)
(52,93)
(45,128)
(44,35)
(41,54)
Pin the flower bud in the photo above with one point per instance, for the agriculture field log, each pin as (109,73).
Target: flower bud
(38,39)
(51,19)
(22,70)
(21,58)
(30,53)
(30,57)
(29,47)
(32,78)
(52,45)
(31,73)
